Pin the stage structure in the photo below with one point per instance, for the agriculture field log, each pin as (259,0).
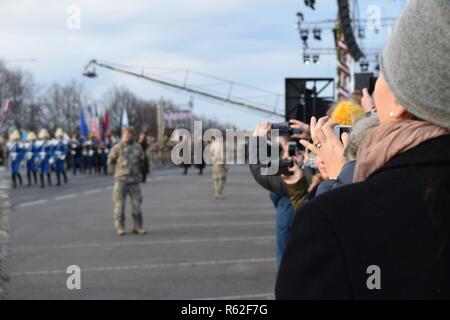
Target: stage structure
(307,97)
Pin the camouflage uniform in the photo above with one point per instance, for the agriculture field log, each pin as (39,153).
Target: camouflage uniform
(219,169)
(126,160)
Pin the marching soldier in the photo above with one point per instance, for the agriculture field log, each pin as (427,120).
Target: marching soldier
(84,154)
(76,152)
(45,155)
(91,154)
(126,159)
(102,158)
(16,151)
(31,157)
(219,169)
(60,153)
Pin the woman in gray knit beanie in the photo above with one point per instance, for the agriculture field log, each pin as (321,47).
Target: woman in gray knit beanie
(386,236)
(412,95)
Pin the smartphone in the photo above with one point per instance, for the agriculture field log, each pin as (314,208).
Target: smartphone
(339,130)
(372,83)
(292,148)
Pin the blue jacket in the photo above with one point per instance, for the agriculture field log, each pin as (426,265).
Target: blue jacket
(31,156)
(60,151)
(16,153)
(45,155)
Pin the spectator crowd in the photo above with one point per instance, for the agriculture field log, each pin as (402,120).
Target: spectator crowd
(363,207)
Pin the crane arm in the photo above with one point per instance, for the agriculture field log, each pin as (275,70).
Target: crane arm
(90,72)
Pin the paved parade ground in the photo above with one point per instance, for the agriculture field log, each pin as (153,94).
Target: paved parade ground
(196,248)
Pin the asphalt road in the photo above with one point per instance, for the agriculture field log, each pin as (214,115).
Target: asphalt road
(197,247)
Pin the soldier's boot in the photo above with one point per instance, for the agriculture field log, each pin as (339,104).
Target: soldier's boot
(42,180)
(35,177)
(49,179)
(58,179)
(138,229)
(120,230)
(65,177)
(219,196)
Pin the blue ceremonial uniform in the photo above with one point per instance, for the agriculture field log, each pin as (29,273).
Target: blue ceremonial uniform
(60,151)
(91,154)
(45,156)
(16,154)
(31,157)
(75,148)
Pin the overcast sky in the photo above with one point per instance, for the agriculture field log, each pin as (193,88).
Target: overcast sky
(247,41)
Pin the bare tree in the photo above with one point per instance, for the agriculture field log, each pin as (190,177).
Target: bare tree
(61,105)
(141,113)
(19,87)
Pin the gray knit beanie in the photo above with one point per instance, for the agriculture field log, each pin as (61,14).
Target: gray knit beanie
(416,60)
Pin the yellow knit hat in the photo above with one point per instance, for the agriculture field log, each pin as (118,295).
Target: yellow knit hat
(346,113)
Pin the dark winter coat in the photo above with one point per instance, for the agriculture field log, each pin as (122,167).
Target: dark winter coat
(398,220)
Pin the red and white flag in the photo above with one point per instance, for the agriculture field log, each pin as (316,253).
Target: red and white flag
(3,110)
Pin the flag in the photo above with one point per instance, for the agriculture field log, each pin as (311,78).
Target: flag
(83,125)
(125,119)
(94,125)
(3,110)
(106,121)
(102,129)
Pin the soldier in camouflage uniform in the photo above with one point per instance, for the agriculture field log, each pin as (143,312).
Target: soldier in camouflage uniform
(126,159)
(219,169)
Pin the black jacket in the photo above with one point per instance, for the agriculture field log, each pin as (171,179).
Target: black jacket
(398,219)
(271,183)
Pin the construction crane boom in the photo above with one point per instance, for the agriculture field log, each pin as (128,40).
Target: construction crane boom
(91,73)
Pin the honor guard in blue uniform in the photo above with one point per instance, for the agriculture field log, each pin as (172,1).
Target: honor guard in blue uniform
(60,151)
(84,154)
(91,147)
(87,158)
(16,150)
(31,156)
(45,156)
(102,152)
(76,152)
